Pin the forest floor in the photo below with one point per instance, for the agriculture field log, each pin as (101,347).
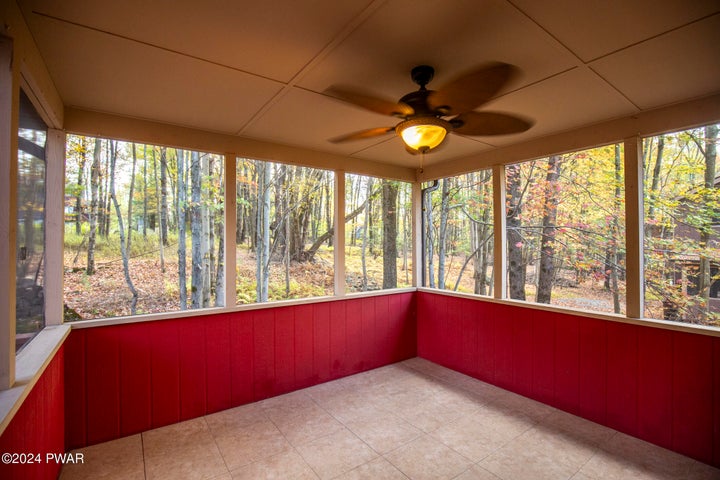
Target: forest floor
(105,294)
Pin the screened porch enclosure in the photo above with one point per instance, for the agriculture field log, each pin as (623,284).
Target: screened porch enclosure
(215,236)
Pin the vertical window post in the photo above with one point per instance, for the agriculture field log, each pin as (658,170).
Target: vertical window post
(417,234)
(634,226)
(55,226)
(8,209)
(230,230)
(499,252)
(339,240)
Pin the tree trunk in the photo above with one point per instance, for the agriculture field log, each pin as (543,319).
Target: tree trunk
(145,193)
(429,239)
(182,226)
(390,223)
(163,195)
(123,249)
(130,199)
(656,178)
(546,274)
(80,181)
(95,178)
(704,273)
(442,233)
(196,224)
(366,236)
(158,214)
(329,203)
(516,264)
(263,233)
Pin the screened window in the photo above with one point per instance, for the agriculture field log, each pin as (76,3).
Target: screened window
(566,229)
(378,244)
(682,226)
(144,229)
(458,233)
(29,298)
(284,231)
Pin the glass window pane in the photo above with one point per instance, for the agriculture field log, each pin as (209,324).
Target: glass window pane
(682,226)
(144,229)
(284,231)
(29,298)
(458,240)
(378,244)
(566,229)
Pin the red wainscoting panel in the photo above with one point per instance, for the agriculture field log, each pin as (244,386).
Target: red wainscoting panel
(38,426)
(659,385)
(125,379)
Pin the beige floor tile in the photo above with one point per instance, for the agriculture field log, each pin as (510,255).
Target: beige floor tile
(427,458)
(537,455)
(230,421)
(336,454)
(118,459)
(253,443)
(184,450)
(475,437)
(383,431)
(289,405)
(307,426)
(623,456)
(284,466)
(477,473)
(427,413)
(570,426)
(378,469)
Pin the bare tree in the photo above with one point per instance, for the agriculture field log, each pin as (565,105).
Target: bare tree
(95,178)
(546,274)
(182,240)
(123,248)
(390,223)
(516,264)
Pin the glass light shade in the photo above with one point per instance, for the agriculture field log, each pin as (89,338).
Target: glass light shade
(423,133)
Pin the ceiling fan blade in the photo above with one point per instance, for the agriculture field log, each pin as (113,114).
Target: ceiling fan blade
(472,89)
(372,132)
(370,102)
(489,123)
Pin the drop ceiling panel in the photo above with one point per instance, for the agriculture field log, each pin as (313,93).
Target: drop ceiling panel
(451,37)
(100,72)
(572,99)
(270,39)
(595,28)
(677,66)
(308,119)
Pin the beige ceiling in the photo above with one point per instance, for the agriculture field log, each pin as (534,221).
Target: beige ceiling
(257,69)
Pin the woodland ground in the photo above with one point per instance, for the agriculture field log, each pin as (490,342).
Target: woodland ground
(105,294)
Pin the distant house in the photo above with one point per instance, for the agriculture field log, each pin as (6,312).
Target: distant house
(686,267)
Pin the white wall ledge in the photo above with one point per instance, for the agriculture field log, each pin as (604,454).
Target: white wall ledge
(30,364)
(103,322)
(610,317)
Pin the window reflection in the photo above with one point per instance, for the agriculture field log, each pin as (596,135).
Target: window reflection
(30,244)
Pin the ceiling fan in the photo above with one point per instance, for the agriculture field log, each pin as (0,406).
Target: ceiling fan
(428,115)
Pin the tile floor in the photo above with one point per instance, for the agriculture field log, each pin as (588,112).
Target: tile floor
(414,419)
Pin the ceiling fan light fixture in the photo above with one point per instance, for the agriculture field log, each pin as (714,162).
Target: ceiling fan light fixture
(423,133)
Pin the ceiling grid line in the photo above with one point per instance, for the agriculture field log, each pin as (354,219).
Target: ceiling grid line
(348,29)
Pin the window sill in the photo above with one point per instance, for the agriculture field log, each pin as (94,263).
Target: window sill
(30,364)
(103,322)
(647,322)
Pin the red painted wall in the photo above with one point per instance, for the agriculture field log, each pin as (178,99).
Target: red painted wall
(38,427)
(125,379)
(659,385)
